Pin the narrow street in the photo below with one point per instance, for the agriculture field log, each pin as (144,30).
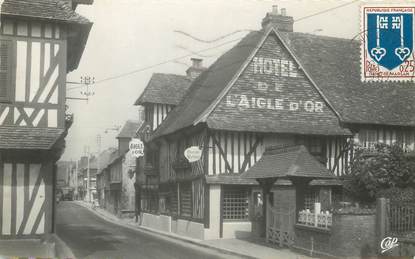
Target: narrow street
(89,236)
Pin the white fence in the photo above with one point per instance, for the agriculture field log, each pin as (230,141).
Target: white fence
(317,218)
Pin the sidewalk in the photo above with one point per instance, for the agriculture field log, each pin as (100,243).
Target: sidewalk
(27,248)
(51,247)
(238,247)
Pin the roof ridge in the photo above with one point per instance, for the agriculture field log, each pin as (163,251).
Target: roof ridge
(172,74)
(321,36)
(273,150)
(195,86)
(170,89)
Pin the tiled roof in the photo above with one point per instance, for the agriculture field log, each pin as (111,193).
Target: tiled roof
(332,63)
(105,157)
(129,129)
(325,182)
(28,138)
(58,10)
(206,88)
(285,162)
(164,89)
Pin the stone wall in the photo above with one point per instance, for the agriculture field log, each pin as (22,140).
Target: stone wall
(350,235)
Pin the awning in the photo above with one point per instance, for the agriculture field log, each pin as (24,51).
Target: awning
(288,162)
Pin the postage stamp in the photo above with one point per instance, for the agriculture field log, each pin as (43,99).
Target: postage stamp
(387,49)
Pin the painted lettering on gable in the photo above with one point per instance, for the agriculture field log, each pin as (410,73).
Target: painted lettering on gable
(243,101)
(275,66)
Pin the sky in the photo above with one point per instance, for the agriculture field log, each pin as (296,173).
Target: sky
(137,35)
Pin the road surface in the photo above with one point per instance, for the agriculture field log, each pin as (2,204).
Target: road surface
(89,236)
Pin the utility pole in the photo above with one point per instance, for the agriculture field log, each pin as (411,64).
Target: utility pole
(87,80)
(98,167)
(88,192)
(99,150)
(88,183)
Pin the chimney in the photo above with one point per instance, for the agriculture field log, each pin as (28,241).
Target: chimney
(75,3)
(280,21)
(196,69)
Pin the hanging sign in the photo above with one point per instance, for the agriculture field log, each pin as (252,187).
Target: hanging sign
(193,153)
(136,147)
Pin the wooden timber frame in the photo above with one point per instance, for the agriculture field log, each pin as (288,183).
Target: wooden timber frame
(29,177)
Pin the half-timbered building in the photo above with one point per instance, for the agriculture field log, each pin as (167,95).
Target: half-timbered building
(162,93)
(40,42)
(116,178)
(296,95)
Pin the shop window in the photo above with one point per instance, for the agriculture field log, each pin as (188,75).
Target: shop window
(162,204)
(5,70)
(235,204)
(311,196)
(150,201)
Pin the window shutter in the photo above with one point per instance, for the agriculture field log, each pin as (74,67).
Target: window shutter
(5,70)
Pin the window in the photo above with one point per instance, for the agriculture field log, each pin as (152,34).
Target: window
(235,204)
(370,140)
(367,138)
(311,196)
(5,70)
(314,145)
(149,200)
(185,199)
(173,201)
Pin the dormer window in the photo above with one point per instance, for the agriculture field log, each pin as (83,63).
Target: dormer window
(5,70)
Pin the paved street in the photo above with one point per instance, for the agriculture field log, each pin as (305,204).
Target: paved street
(89,236)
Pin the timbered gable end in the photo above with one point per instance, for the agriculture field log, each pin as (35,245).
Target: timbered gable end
(155,113)
(32,73)
(273,94)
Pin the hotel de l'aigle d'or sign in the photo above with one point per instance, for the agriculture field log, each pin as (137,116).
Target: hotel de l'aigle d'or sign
(276,68)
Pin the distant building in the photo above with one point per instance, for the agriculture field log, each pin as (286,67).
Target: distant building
(117,178)
(104,159)
(65,172)
(40,42)
(87,166)
(161,95)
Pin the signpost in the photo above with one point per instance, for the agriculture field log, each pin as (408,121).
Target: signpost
(193,153)
(136,147)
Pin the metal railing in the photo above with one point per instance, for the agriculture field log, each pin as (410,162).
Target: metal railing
(401,217)
(317,218)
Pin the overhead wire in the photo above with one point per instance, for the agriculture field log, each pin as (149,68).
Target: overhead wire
(210,48)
